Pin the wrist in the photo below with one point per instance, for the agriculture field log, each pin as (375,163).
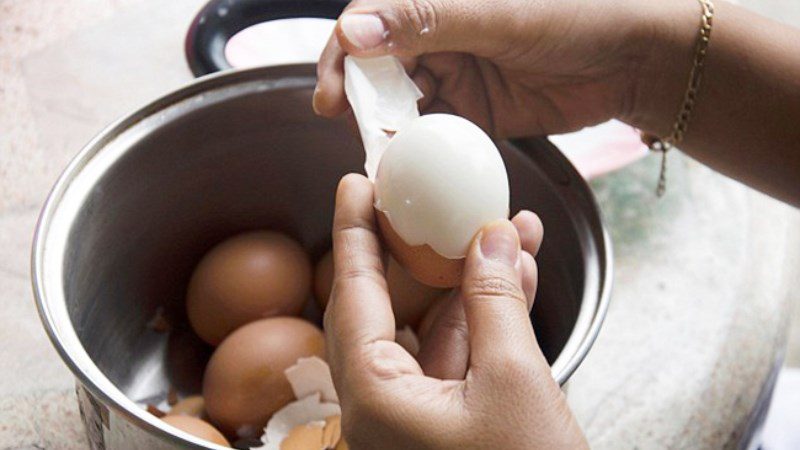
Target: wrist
(661,77)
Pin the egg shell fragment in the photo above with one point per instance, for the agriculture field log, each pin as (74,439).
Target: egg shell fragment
(301,412)
(383,99)
(197,427)
(421,262)
(310,375)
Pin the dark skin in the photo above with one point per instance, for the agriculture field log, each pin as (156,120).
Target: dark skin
(516,68)
(551,69)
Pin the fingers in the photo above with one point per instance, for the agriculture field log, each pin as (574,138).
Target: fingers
(412,28)
(495,303)
(530,278)
(444,349)
(329,99)
(359,311)
(530,230)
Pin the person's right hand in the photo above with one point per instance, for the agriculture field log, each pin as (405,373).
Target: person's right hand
(514,67)
(505,398)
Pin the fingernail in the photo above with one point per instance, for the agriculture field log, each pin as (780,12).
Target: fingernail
(499,242)
(315,100)
(365,31)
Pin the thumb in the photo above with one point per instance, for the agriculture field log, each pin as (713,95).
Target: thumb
(411,28)
(495,303)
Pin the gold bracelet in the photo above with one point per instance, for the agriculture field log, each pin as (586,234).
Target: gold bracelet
(663,145)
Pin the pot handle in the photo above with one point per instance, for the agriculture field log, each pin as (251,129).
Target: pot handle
(219,20)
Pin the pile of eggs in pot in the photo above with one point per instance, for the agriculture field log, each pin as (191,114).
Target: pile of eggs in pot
(245,298)
(439,179)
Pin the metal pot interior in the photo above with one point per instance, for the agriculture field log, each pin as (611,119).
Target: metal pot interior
(241,153)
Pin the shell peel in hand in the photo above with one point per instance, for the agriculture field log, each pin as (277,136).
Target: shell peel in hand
(383,99)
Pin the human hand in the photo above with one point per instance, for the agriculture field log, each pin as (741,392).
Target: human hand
(513,67)
(507,397)
(444,345)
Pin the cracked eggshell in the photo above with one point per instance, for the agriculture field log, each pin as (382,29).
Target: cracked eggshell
(310,375)
(383,99)
(439,181)
(309,410)
(197,427)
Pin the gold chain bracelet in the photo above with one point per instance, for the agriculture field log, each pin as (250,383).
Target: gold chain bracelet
(663,145)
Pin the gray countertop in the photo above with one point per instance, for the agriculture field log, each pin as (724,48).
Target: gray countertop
(701,298)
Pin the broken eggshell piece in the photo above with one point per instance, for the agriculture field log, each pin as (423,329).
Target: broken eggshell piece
(307,411)
(310,375)
(383,99)
(317,410)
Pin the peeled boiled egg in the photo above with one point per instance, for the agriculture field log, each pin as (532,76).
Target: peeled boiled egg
(197,427)
(439,177)
(244,381)
(439,181)
(247,277)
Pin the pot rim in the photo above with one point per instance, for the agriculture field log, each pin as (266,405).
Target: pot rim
(48,288)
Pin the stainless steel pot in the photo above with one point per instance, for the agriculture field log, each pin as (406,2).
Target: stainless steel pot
(140,204)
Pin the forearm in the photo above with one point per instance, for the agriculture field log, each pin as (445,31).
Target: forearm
(746,122)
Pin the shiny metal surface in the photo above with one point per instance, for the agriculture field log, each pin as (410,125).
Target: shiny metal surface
(135,210)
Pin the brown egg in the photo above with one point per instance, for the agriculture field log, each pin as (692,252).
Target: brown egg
(197,427)
(410,298)
(244,383)
(190,406)
(421,261)
(323,279)
(245,278)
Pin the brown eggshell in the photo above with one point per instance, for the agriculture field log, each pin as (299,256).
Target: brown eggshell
(244,382)
(245,278)
(190,406)
(304,437)
(421,261)
(323,279)
(197,427)
(332,432)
